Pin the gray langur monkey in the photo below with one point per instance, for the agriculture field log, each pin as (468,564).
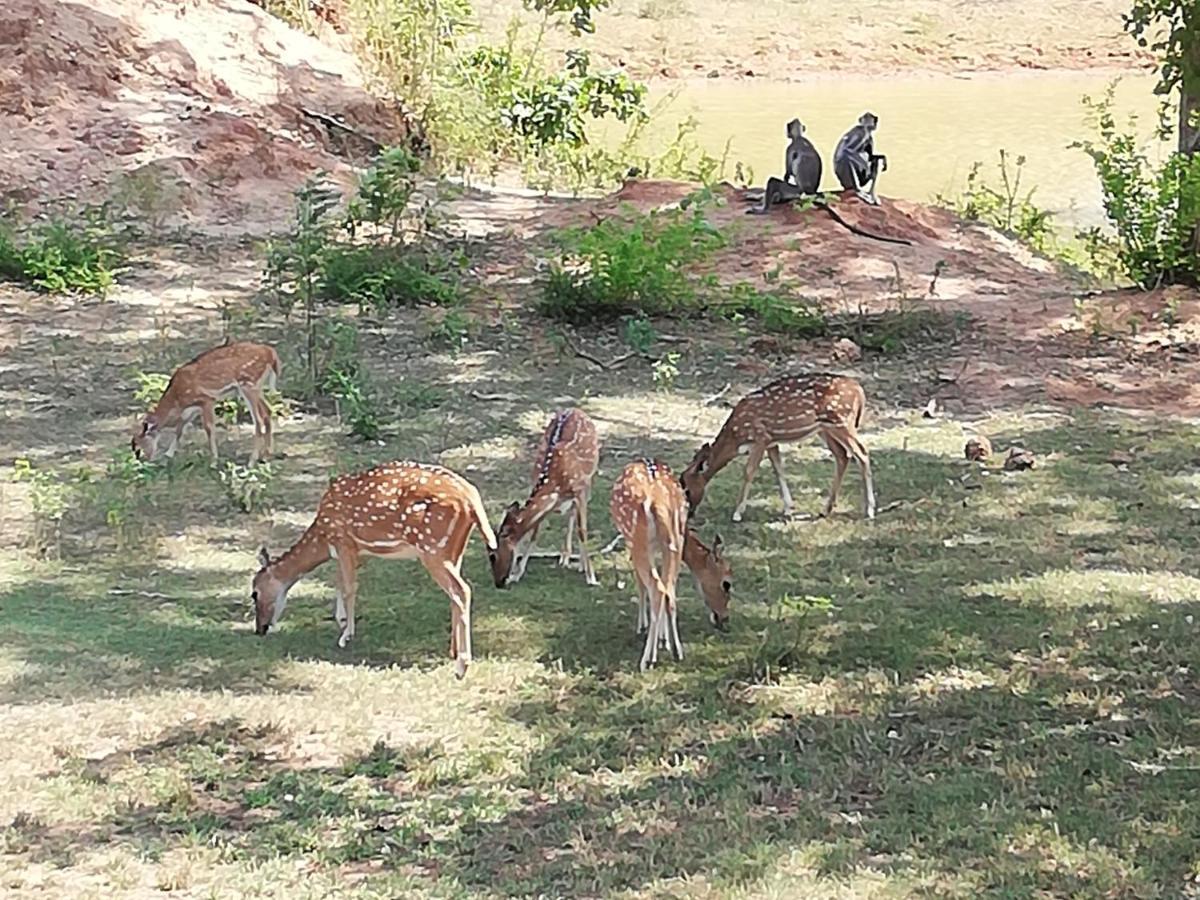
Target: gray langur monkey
(855,161)
(801,171)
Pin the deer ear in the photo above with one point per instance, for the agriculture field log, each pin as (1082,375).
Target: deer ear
(264,558)
(718,547)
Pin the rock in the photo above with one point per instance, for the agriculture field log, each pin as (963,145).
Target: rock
(1019,459)
(978,449)
(845,350)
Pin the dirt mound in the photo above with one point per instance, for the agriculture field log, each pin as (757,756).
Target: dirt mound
(192,105)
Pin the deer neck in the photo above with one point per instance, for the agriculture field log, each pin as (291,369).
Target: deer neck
(725,450)
(540,504)
(304,556)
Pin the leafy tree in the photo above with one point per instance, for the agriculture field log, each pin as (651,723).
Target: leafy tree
(1171,28)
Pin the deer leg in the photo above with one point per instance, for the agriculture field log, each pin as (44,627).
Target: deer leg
(752,464)
(851,446)
(585,561)
(523,553)
(649,584)
(254,403)
(447,576)
(777,464)
(209,421)
(840,461)
(347,587)
(673,611)
(564,558)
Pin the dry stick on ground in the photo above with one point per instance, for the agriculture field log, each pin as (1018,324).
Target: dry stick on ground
(612,364)
(713,398)
(611,547)
(331,122)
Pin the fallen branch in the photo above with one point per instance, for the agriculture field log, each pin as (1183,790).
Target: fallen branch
(610,547)
(331,122)
(708,401)
(582,354)
(512,398)
(152,595)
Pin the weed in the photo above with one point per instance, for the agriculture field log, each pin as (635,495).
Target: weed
(451,330)
(60,256)
(1004,208)
(246,486)
(665,371)
(356,402)
(148,194)
(49,499)
(775,312)
(384,192)
(639,334)
(635,267)
(385,276)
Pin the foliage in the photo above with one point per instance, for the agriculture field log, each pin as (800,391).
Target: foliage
(1153,209)
(451,330)
(384,191)
(665,371)
(1171,29)
(344,378)
(49,498)
(639,334)
(382,276)
(1004,208)
(294,263)
(633,267)
(60,256)
(775,312)
(246,486)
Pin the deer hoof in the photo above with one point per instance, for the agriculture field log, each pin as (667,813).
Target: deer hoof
(345,638)
(737,515)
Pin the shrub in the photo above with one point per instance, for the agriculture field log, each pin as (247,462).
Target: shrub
(775,312)
(1005,208)
(630,268)
(343,378)
(60,256)
(379,277)
(384,191)
(246,486)
(1154,210)
(452,331)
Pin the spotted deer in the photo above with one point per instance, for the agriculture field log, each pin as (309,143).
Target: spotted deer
(242,368)
(788,409)
(649,509)
(402,510)
(564,466)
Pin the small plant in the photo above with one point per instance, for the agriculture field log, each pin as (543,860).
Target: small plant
(452,330)
(636,268)
(639,335)
(49,499)
(59,257)
(665,371)
(356,403)
(246,486)
(384,192)
(1004,208)
(780,642)
(294,264)
(148,194)
(774,312)
(385,276)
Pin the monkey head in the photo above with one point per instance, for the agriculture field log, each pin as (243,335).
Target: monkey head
(795,129)
(869,120)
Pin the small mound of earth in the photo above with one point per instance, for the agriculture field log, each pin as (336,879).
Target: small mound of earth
(194,105)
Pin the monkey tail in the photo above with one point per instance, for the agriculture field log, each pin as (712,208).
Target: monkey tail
(854,229)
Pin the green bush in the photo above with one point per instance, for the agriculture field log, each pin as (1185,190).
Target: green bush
(774,312)
(384,191)
(60,256)
(1005,208)
(379,277)
(1154,210)
(630,268)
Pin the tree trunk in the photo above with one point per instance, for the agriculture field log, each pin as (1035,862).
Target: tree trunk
(1189,129)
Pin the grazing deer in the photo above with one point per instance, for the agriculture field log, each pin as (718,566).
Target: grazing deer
(402,510)
(242,368)
(789,409)
(566,461)
(650,510)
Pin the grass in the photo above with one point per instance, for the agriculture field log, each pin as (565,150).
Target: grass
(989,691)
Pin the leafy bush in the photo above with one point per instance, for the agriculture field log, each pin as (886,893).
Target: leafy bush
(639,334)
(246,486)
(452,330)
(1005,208)
(775,312)
(50,498)
(621,268)
(384,191)
(1154,210)
(378,277)
(60,256)
(343,378)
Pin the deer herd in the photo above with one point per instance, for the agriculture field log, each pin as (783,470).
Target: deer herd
(410,510)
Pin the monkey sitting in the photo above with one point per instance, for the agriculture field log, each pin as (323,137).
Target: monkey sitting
(801,167)
(855,161)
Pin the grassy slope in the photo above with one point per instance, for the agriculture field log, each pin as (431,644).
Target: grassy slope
(990,690)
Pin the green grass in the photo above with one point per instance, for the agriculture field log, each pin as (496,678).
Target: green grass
(987,692)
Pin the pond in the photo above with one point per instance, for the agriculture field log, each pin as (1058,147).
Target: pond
(932,128)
